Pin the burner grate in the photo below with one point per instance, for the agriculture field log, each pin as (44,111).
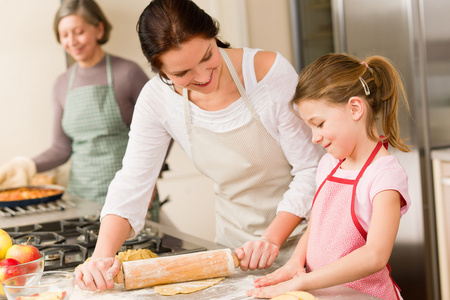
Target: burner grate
(63,256)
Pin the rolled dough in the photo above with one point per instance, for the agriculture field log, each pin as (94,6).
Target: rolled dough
(186,287)
(295,295)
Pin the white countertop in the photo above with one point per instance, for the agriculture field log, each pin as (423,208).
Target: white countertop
(232,288)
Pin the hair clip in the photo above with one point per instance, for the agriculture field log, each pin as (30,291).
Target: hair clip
(365,86)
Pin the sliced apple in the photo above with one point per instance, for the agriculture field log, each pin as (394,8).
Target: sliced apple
(44,296)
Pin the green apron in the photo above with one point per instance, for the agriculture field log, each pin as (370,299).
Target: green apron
(99,136)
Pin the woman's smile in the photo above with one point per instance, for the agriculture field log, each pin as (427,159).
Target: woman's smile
(206,83)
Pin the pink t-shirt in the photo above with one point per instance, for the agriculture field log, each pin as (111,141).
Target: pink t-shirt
(385,173)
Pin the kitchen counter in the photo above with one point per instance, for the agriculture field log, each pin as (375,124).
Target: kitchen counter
(232,288)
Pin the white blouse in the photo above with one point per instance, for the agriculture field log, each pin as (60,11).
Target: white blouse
(159,117)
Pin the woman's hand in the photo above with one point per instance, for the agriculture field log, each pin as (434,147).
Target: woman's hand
(97,274)
(259,254)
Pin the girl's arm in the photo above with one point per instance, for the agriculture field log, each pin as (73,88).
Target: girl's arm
(358,264)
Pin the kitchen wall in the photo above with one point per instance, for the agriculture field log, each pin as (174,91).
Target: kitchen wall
(31,59)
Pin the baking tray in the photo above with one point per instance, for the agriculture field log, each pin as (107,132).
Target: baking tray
(33,201)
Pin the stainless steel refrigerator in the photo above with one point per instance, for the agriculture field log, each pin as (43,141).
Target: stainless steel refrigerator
(415,35)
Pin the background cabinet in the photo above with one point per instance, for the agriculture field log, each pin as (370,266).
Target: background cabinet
(441,171)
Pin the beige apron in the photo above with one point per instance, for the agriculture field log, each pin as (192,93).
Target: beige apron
(250,174)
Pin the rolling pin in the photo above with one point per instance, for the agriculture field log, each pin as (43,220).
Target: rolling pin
(179,268)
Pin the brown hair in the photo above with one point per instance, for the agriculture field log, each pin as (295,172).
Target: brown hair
(336,78)
(88,10)
(166,24)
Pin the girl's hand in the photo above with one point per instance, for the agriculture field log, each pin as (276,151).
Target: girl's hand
(97,274)
(275,290)
(259,254)
(285,273)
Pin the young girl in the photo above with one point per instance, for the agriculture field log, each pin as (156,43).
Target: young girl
(362,189)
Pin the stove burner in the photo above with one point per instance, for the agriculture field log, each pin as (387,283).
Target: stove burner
(37,238)
(89,232)
(63,256)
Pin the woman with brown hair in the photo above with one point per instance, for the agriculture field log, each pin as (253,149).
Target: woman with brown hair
(228,109)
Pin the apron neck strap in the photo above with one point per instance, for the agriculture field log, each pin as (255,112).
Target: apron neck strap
(370,159)
(108,72)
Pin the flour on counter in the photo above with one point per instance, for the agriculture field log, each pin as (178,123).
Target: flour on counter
(232,288)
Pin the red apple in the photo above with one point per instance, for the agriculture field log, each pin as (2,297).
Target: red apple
(9,267)
(7,262)
(23,253)
(8,270)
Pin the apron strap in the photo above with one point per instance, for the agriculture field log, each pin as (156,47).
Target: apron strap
(187,112)
(369,160)
(109,70)
(237,82)
(72,76)
(108,73)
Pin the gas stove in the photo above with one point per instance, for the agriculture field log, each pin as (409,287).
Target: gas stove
(68,243)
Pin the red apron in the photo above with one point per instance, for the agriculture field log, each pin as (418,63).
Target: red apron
(335,232)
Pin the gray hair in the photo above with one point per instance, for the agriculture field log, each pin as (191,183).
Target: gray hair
(88,10)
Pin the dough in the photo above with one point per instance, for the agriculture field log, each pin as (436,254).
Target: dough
(186,287)
(133,254)
(295,295)
(130,255)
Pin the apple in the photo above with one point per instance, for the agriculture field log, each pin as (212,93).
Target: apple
(8,269)
(23,253)
(5,243)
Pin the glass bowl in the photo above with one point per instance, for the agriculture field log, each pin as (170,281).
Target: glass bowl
(35,266)
(45,285)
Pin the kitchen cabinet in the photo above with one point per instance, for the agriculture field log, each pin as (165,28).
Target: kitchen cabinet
(441,173)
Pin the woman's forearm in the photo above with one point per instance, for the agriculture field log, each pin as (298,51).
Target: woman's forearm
(281,227)
(114,230)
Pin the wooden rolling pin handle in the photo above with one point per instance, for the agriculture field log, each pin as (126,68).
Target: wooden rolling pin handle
(119,276)
(236,261)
